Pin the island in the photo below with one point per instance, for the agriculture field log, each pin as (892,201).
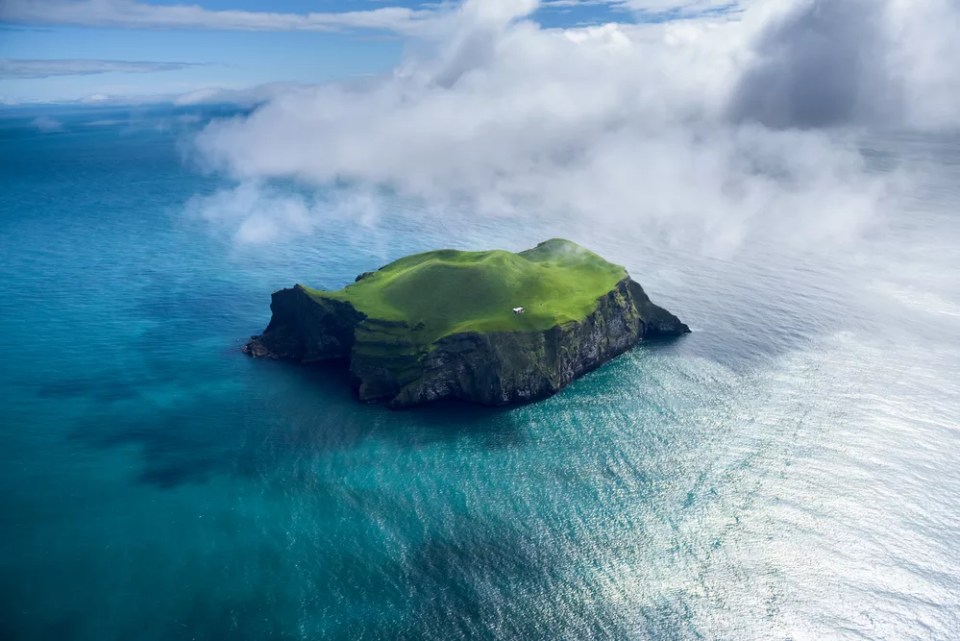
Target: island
(489,327)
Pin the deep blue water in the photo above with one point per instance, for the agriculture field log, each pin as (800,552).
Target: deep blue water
(789,471)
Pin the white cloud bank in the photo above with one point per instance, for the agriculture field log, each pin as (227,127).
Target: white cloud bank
(709,129)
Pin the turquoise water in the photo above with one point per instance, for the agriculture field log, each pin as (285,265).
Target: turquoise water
(789,471)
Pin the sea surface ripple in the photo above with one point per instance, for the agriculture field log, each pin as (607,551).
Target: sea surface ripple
(791,470)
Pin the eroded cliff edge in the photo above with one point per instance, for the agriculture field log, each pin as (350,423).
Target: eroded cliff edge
(397,362)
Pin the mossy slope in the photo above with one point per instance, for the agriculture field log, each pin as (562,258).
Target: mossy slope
(449,292)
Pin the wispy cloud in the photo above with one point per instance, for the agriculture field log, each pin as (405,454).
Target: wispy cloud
(46,124)
(656,9)
(12,68)
(138,15)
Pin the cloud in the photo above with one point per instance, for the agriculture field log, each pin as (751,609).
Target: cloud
(248,97)
(708,131)
(46,124)
(681,8)
(923,62)
(253,213)
(130,14)
(654,9)
(265,214)
(815,63)
(10,68)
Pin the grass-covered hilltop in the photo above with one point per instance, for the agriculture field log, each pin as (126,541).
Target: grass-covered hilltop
(447,292)
(491,327)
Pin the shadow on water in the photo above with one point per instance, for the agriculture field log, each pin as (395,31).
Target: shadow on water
(255,418)
(347,421)
(75,388)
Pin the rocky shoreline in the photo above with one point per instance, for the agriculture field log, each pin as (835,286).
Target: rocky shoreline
(387,364)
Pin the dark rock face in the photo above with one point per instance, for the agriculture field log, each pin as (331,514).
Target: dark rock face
(497,368)
(306,330)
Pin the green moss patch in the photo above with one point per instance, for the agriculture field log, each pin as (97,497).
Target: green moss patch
(446,292)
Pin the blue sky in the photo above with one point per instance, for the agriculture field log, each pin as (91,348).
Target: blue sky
(230,59)
(64,50)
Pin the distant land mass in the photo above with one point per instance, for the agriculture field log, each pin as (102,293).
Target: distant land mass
(490,327)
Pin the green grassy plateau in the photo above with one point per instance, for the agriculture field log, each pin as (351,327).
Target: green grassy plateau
(446,292)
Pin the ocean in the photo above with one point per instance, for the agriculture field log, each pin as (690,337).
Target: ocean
(791,470)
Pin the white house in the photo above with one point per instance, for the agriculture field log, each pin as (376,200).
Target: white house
(518,310)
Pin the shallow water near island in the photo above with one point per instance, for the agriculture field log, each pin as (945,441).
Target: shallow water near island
(789,471)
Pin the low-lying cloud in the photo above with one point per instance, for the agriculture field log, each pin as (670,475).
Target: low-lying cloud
(710,129)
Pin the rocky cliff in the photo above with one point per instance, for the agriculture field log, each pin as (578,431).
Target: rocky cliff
(400,362)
